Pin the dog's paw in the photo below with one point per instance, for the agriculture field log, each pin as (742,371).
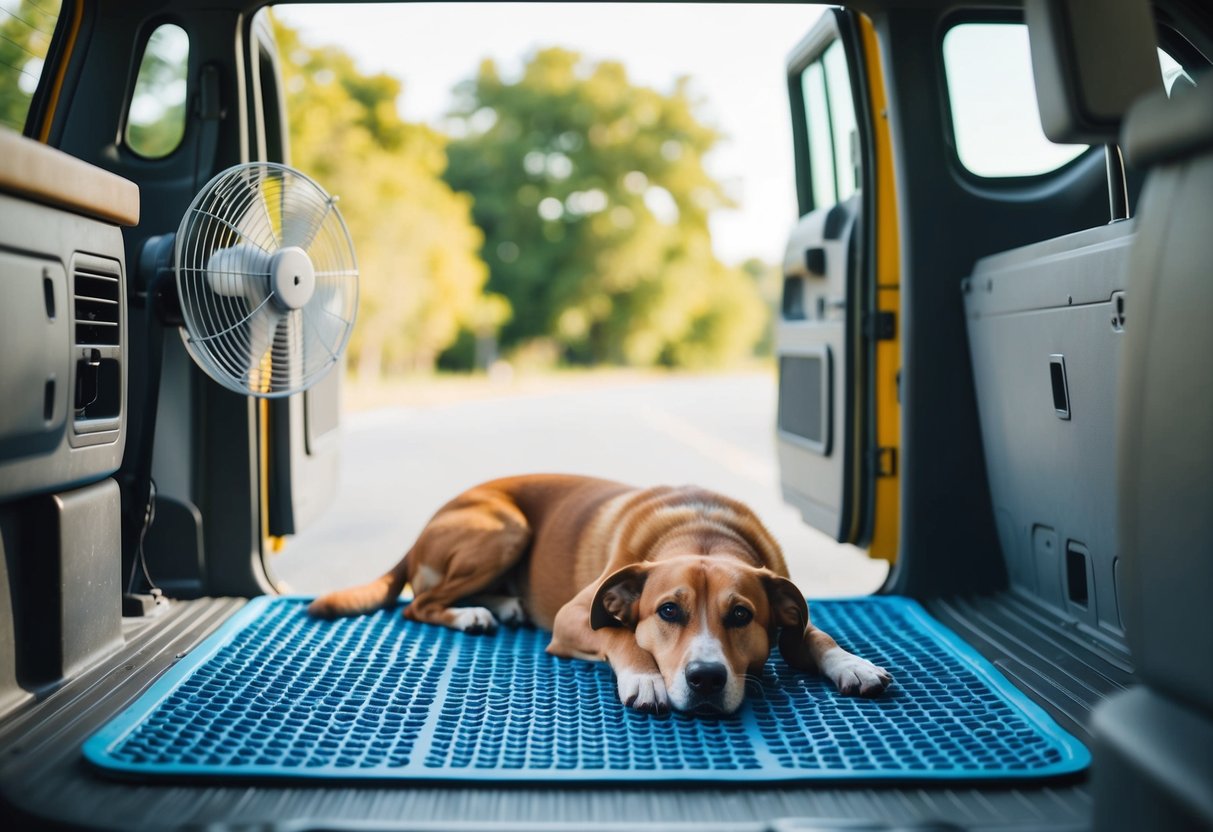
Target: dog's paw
(643,691)
(853,675)
(472,620)
(509,612)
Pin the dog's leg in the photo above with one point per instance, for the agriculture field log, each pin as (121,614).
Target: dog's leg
(507,609)
(637,678)
(805,647)
(464,552)
(849,673)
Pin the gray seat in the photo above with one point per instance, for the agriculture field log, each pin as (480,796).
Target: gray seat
(1154,748)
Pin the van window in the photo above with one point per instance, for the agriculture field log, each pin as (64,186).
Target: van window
(993,98)
(156,120)
(829,109)
(26,28)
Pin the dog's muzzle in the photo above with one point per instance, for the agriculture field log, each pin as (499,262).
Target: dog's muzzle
(706,682)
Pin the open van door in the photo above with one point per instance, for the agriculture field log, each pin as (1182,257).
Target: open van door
(298,434)
(836,338)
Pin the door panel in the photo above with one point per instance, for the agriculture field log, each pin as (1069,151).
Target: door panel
(820,344)
(302,455)
(812,349)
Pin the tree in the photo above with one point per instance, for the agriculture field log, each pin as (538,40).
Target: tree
(594,202)
(422,279)
(25,36)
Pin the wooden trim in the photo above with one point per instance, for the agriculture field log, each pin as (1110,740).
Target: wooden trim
(32,170)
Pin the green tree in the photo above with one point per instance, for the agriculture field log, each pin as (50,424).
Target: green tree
(25,36)
(594,202)
(422,279)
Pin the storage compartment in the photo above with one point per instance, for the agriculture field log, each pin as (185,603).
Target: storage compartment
(61,609)
(1046,324)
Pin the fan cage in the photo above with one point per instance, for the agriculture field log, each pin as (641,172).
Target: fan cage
(236,328)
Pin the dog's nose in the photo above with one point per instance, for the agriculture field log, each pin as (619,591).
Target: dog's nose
(707,677)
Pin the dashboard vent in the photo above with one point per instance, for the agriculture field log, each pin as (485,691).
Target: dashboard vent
(96,295)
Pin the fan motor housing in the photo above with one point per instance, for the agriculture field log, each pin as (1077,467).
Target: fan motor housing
(292,277)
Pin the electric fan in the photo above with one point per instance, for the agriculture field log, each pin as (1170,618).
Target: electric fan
(262,283)
(267,280)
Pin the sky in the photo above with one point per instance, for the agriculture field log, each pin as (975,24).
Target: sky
(735,55)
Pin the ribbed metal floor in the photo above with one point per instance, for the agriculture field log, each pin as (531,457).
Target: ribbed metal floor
(43,779)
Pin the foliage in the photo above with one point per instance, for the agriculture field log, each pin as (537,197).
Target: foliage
(422,279)
(25,36)
(594,202)
(157,115)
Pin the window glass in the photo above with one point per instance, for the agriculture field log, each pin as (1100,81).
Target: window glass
(821,153)
(842,119)
(26,27)
(993,98)
(156,121)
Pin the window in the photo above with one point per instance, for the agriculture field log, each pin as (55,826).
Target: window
(26,27)
(156,121)
(994,112)
(833,139)
(993,96)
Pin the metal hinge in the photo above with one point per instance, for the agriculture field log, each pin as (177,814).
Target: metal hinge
(884,462)
(880,326)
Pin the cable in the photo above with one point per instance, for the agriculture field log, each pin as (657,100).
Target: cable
(149,517)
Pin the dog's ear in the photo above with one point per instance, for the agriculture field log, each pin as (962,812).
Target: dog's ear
(790,616)
(615,602)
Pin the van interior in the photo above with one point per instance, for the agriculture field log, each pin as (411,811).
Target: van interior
(996,377)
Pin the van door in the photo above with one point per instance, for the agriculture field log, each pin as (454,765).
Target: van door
(298,433)
(834,309)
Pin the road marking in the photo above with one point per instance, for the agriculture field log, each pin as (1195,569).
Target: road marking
(733,457)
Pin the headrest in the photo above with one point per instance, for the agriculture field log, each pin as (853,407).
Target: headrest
(1158,128)
(1091,60)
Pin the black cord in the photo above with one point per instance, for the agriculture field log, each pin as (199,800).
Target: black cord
(149,517)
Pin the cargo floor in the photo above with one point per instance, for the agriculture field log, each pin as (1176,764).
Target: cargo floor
(44,783)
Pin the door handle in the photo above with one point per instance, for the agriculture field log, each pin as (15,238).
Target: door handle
(815,261)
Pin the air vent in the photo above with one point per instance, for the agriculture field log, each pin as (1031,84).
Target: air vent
(97,316)
(96,295)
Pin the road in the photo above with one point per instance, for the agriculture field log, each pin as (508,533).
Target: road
(399,464)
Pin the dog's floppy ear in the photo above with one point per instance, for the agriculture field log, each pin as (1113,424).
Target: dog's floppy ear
(790,616)
(615,602)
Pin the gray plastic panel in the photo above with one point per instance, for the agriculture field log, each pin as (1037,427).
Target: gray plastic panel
(813,472)
(1046,326)
(39,246)
(34,329)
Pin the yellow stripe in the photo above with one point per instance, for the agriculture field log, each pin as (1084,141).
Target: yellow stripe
(44,134)
(887,490)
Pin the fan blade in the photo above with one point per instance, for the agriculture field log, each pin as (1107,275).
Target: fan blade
(262,332)
(302,222)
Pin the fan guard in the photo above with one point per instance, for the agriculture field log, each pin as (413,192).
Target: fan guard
(267,280)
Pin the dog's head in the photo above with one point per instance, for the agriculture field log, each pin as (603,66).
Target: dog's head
(706,621)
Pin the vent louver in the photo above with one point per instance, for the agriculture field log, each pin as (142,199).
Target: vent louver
(96,295)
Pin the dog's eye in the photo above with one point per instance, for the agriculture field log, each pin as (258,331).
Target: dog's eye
(739,616)
(669,612)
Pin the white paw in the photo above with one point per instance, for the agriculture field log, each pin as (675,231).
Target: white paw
(471,619)
(853,675)
(509,611)
(642,691)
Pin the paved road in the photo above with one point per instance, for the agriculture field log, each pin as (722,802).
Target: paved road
(399,465)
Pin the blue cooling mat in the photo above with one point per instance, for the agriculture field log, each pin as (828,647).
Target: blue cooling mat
(277,694)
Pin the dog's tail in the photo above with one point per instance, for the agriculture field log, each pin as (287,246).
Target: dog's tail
(356,600)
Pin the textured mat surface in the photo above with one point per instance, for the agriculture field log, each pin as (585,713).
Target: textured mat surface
(276,694)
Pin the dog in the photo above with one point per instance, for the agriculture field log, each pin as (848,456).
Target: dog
(681,590)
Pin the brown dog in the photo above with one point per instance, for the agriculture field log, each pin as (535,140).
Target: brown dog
(681,590)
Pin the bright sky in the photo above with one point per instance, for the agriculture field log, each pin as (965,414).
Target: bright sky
(735,54)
